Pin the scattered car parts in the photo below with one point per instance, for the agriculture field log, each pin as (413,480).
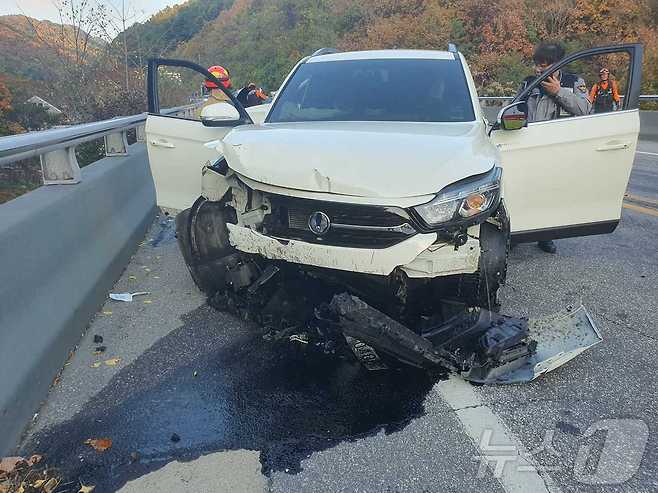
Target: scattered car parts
(482,346)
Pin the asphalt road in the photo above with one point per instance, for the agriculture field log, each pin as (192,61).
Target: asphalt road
(197,401)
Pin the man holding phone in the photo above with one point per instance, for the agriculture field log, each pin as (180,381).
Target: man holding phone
(561,95)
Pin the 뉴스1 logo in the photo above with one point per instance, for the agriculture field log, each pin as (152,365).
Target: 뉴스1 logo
(319,223)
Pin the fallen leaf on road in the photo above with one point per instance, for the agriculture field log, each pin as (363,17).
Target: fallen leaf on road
(99,444)
(112,361)
(97,364)
(107,312)
(147,302)
(50,485)
(86,488)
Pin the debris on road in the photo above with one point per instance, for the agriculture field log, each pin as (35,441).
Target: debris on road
(99,349)
(128,297)
(99,444)
(175,438)
(18,474)
(478,344)
(98,339)
(108,362)
(86,488)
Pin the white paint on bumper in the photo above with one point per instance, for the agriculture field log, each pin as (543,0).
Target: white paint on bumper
(367,261)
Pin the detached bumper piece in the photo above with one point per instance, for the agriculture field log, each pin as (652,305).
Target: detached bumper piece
(480,345)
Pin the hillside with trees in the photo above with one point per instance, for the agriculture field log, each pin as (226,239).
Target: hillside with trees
(167,29)
(261,40)
(88,71)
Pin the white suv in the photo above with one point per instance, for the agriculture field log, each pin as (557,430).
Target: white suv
(379,167)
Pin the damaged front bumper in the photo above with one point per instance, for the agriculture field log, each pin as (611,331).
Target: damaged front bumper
(418,256)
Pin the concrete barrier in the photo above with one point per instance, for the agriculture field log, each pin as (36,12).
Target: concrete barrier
(62,247)
(649,125)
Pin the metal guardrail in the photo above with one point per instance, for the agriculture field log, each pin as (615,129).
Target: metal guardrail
(56,147)
(645,97)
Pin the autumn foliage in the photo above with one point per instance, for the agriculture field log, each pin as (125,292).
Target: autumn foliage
(261,40)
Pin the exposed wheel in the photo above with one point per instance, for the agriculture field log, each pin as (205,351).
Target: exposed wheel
(482,287)
(203,240)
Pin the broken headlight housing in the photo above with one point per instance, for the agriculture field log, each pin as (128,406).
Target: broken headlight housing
(463,202)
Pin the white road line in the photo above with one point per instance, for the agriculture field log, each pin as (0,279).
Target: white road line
(519,474)
(647,153)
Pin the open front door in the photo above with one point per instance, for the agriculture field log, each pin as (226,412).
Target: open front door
(567,176)
(205,111)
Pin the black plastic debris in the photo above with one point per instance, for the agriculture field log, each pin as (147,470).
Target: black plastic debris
(175,438)
(98,339)
(314,312)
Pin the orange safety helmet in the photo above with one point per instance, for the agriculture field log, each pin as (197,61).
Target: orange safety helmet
(222,74)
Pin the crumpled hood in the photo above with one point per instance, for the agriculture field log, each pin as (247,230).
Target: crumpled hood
(365,159)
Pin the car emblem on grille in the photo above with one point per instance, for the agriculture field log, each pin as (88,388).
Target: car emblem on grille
(319,223)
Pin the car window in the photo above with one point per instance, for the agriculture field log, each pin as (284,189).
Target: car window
(413,90)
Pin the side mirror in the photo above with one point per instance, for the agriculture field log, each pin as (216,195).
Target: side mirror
(220,115)
(511,117)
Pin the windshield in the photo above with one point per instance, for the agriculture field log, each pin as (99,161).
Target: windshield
(406,90)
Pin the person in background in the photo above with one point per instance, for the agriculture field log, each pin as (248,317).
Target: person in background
(215,94)
(255,97)
(244,92)
(605,93)
(562,94)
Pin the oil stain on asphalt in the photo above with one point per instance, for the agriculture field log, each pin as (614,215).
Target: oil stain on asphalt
(218,386)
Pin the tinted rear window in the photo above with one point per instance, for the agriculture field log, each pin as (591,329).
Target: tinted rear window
(409,90)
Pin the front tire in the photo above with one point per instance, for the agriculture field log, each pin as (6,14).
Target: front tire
(203,240)
(483,286)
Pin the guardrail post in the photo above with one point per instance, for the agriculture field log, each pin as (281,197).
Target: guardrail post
(140,131)
(60,167)
(116,144)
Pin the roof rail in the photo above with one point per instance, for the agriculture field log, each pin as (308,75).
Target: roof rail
(324,51)
(452,48)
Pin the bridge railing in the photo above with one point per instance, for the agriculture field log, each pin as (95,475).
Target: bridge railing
(56,147)
(643,98)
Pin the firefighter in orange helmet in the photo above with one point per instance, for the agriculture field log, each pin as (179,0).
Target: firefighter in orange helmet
(215,94)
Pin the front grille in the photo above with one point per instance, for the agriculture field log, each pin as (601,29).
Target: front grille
(352,225)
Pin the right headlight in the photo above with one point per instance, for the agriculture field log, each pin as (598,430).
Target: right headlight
(464,201)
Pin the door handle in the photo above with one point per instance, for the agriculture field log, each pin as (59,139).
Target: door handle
(614,147)
(162,143)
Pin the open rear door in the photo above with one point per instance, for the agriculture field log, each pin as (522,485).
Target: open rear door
(567,176)
(175,141)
